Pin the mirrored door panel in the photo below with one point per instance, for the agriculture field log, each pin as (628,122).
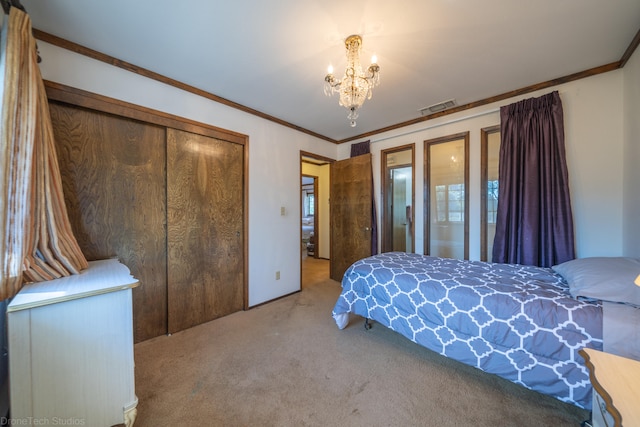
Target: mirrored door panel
(489,162)
(447,197)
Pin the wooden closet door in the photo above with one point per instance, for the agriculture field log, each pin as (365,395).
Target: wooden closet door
(205,211)
(113,175)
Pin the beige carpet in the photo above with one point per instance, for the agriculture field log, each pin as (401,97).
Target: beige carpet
(286,364)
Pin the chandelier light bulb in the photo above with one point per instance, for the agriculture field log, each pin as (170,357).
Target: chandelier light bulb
(330,69)
(356,85)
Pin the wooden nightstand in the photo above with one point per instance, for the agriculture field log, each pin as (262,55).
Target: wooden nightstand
(616,389)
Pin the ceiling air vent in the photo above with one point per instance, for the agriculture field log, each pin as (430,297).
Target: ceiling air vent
(435,108)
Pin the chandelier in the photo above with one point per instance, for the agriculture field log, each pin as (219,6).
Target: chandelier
(355,86)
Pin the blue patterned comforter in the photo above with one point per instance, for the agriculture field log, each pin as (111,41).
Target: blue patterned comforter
(518,322)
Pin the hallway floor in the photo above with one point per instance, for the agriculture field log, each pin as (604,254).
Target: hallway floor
(314,270)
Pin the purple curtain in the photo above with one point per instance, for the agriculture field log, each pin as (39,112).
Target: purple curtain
(359,149)
(534,224)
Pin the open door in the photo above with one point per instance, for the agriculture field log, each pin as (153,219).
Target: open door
(397,183)
(350,203)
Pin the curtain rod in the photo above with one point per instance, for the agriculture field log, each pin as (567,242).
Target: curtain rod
(6,5)
(471,116)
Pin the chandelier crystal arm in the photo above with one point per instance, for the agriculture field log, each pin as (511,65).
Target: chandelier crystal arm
(331,85)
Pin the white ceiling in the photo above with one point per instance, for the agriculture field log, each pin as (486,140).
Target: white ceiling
(272,56)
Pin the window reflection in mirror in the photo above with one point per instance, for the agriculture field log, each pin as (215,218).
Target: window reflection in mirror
(398,199)
(489,161)
(447,197)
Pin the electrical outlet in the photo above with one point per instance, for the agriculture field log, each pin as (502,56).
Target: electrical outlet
(282,211)
(277,275)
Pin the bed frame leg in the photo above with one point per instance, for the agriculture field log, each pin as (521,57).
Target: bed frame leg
(367,324)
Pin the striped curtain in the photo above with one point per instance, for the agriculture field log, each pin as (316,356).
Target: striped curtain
(36,240)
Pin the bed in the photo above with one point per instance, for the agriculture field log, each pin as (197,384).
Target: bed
(308,235)
(519,322)
(307,228)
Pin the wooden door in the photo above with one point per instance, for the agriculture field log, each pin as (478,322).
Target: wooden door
(351,201)
(113,177)
(205,213)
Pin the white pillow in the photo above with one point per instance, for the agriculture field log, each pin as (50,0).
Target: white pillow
(603,278)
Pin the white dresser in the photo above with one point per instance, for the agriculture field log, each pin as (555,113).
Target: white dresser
(71,349)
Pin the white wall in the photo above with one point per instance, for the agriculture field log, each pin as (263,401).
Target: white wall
(274,160)
(593,112)
(597,145)
(631,195)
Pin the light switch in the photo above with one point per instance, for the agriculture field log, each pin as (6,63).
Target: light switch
(282,211)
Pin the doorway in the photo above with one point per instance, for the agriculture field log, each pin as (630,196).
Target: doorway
(309,219)
(398,199)
(314,219)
